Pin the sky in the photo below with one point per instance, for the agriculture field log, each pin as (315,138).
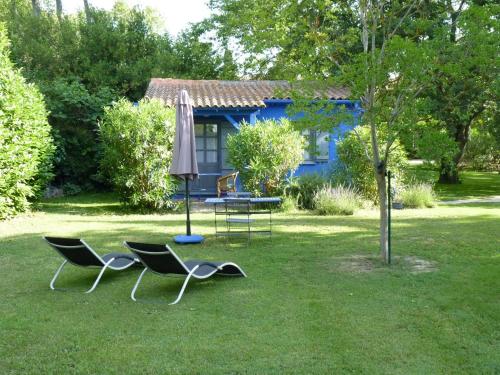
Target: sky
(176,14)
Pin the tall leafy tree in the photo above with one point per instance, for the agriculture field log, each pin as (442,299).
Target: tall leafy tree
(120,49)
(196,57)
(311,39)
(284,39)
(466,76)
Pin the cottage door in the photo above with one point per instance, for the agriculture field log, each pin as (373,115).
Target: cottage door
(207,154)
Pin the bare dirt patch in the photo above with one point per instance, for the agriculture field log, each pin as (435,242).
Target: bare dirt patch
(368,263)
(419,265)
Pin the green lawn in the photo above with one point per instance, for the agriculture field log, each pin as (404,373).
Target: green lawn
(316,300)
(473,184)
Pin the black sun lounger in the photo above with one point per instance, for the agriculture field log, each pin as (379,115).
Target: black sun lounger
(162,260)
(77,252)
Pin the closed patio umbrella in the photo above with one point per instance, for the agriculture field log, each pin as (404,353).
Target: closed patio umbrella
(184,164)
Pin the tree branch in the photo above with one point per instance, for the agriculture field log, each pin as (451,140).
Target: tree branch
(363,143)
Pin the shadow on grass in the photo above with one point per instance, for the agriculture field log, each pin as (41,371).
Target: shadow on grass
(304,233)
(91,204)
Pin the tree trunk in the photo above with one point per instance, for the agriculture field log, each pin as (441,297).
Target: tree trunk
(384,222)
(87,11)
(379,167)
(449,169)
(59,9)
(36,8)
(448,174)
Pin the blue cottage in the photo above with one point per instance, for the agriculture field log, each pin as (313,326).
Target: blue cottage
(220,106)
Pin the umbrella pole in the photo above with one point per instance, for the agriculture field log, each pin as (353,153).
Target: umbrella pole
(188,221)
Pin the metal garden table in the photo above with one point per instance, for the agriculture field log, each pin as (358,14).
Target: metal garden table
(240,213)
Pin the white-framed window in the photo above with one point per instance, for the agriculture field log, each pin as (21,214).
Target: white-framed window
(206,143)
(317,145)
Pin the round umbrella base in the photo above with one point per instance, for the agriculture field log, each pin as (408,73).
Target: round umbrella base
(184,239)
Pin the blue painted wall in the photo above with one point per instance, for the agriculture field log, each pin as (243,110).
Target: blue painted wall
(276,109)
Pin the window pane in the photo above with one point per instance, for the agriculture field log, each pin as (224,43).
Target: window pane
(199,143)
(211,143)
(322,142)
(200,156)
(198,129)
(307,147)
(211,157)
(211,129)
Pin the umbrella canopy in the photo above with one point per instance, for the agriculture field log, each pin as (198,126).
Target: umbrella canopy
(184,163)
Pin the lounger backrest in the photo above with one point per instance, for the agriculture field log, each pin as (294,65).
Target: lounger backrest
(158,258)
(75,251)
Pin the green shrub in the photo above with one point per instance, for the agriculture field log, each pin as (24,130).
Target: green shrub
(304,187)
(137,146)
(288,204)
(70,189)
(356,169)
(264,154)
(26,147)
(338,200)
(74,113)
(419,195)
(482,152)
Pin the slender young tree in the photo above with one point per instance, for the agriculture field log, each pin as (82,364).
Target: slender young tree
(392,80)
(466,78)
(387,76)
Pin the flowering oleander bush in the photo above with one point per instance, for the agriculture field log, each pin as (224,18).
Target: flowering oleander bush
(264,154)
(137,150)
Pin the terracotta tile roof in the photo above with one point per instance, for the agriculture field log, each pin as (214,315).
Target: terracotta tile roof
(227,94)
